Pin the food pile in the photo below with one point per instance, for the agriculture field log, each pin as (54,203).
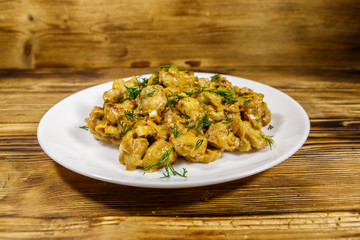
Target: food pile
(174,113)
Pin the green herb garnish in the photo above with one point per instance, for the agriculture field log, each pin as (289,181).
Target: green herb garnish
(166,158)
(227,118)
(229,97)
(175,132)
(156,79)
(125,127)
(246,102)
(215,78)
(149,94)
(190,126)
(198,143)
(130,115)
(186,116)
(132,92)
(204,122)
(85,127)
(270,127)
(171,101)
(166,67)
(142,83)
(268,139)
(197,90)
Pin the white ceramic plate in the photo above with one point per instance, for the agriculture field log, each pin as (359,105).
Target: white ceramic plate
(74,148)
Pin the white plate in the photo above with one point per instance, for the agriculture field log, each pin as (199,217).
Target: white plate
(74,148)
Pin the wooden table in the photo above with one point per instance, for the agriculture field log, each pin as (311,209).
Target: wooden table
(313,194)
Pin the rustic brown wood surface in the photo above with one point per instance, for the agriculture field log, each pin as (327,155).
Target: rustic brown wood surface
(313,194)
(307,49)
(149,33)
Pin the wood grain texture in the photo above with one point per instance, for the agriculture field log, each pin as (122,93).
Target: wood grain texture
(299,226)
(314,194)
(148,33)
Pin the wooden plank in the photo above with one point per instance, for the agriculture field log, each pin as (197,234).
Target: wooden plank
(312,195)
(344,225)
(100,34)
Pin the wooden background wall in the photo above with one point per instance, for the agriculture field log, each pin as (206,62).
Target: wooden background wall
(149,33)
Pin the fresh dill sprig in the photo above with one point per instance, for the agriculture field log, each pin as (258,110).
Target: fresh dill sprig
(196,91)
(176,96)
(166,67)
(215,78)
(175,132)
(198,143)
(259,119)
(229,97)
(132,92)
(227,118)
(246,102)
(173,100)
(149,94)
(268,139)
(204,122)
(170,102)
(166,158)
(155,79)
(143,83)
(85,127)
(190,94)
(108,103)
(190,126)
(186,116)
(270,127)
(130,115)
(125,127)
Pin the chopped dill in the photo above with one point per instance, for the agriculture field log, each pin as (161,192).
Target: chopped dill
(229,97)
(197,90)
(85,127)
(198,143)
(132,92)
(227,118)
(172,100)
(175,132)
(143,83)
(166,67)
(268,139)
(130,115)
(166,158)
(186,116)
(204,122)
(270,127)
(149,94)
(156,79)
(215,78)
(125,127)
(246,102)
